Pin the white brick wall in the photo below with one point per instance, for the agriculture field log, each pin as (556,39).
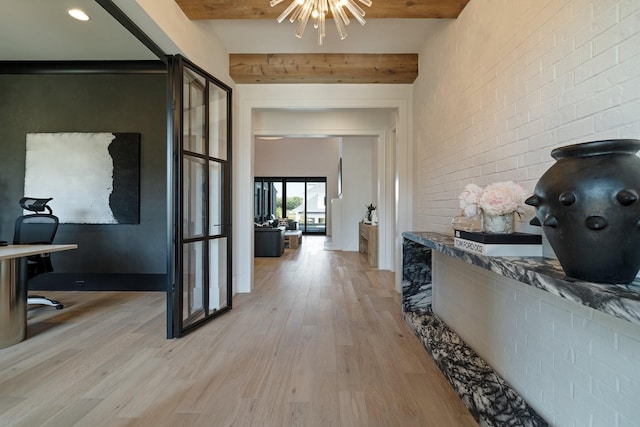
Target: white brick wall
(510,80)
(574,365)
(499,88)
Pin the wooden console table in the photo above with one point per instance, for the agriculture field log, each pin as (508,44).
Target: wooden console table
(368,242)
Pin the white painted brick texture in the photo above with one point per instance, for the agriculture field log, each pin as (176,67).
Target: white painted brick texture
(499,88)
(508,81)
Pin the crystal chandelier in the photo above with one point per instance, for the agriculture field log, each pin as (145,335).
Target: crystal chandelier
(302,10)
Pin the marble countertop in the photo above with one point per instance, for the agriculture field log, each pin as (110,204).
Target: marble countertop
(622,301)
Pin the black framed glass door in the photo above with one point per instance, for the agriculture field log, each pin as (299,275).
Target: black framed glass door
(202,188)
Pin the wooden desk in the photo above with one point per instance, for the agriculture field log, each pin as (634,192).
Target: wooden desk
(13,289)
(368,242)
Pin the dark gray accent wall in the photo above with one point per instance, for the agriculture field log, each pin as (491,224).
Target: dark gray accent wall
(91,103)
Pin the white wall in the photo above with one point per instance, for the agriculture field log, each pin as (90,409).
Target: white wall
(358,177)
(498,89)
(336,225)
(300,157)
(305,122)
(374,182)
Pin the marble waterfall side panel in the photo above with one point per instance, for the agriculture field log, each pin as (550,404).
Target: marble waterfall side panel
(416,277)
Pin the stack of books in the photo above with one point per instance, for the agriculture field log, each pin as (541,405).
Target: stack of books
(515,244)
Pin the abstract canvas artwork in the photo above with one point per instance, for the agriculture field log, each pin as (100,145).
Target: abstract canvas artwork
(93,178)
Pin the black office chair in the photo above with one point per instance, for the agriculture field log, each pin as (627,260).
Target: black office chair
(38,228)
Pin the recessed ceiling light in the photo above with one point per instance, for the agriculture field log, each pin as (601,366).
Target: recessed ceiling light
(78,14)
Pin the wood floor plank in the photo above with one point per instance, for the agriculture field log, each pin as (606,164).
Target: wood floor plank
(353,409)
(319,342)
(73,412)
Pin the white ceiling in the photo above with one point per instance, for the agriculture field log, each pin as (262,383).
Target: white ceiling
(377,36)
(42,30)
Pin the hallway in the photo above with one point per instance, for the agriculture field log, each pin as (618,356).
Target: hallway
(320,342)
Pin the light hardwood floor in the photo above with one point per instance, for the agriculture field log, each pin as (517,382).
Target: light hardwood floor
(320,342)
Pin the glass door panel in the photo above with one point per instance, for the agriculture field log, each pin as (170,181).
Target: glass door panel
(266,216)
(193,112)
(193,279)
(294,206)
(277,196)
(316,208)
(257,202)
(216,182)
(218,292)
(193,180)
(217,123)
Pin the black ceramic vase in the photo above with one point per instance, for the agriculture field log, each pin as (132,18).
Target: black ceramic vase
(587,204)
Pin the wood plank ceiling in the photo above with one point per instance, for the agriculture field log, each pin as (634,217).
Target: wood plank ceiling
(322,68)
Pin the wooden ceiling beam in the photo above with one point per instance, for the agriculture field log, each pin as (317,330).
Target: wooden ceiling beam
(260,9)
(323,68)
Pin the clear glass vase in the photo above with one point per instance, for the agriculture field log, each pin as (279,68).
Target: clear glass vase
(466,223)
(498,224)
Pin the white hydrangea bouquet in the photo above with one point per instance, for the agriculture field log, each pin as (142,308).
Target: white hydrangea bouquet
(499,198)
(495,200)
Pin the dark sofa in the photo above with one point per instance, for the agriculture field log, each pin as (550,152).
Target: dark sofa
(268,241)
